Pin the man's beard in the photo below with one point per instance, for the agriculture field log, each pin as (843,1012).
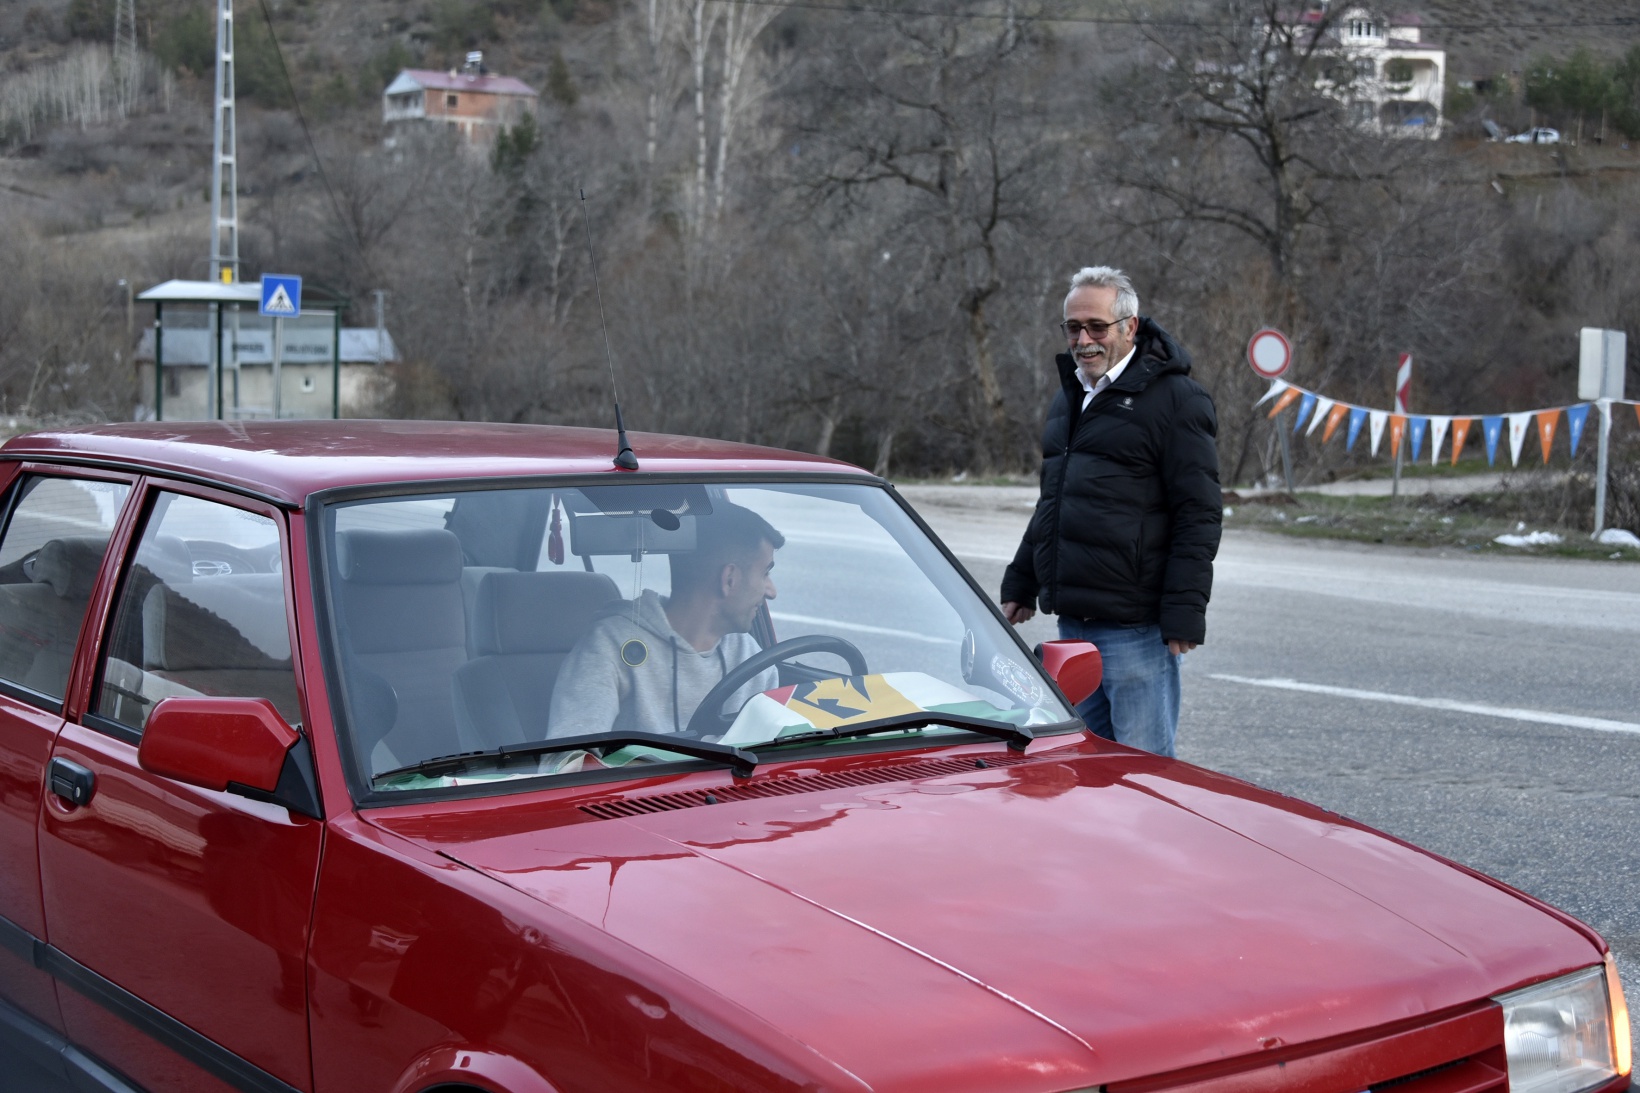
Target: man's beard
(1095,364)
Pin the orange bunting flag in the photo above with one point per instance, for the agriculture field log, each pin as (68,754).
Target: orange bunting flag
(1397,429)
(1637,411)
(1547,420)
(1287,398)
(1460,432)
(1337,414)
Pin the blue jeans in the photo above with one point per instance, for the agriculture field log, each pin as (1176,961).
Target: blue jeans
(1138,703)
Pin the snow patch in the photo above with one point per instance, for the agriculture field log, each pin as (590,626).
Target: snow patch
(1536,538)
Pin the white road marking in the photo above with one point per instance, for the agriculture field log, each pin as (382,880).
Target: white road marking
(860,627)
(974,556)
(1541,717)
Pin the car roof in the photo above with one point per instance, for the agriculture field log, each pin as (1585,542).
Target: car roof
(288,460)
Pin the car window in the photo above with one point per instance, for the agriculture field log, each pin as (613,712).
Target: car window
(50,553)
(477,623)
(201,611)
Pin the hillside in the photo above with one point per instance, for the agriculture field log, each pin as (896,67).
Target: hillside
(340,53)
(821,257)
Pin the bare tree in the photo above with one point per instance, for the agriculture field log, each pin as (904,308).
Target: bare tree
(743,25)
(1268,104)
(937,110)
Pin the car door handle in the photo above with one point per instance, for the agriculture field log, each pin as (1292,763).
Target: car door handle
(72,782)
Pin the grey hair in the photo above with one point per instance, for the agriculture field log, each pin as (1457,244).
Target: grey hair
(1127,300)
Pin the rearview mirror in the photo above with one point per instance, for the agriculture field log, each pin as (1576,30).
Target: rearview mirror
(217,743)
(1076,666)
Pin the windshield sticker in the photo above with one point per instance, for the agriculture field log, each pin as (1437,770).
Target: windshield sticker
(1019,681)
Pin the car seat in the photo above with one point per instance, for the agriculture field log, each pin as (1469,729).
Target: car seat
(401,617)
(40,621)
(526,624)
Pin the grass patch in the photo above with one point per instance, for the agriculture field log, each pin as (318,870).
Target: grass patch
(1468,522)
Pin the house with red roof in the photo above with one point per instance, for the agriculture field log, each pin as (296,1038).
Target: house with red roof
(472,101)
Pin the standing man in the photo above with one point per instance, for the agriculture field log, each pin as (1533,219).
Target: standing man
(1122,542)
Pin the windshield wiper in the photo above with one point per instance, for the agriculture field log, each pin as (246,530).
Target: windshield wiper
(741,762)
(1016,736)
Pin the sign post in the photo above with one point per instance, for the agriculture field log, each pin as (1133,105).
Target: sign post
(1601,356)
(281,299)
(1403,392)
(1271,354)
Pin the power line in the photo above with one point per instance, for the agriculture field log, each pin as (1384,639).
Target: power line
(296,104)
(1138,20)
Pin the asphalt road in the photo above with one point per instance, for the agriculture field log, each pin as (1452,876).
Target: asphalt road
(1485,708)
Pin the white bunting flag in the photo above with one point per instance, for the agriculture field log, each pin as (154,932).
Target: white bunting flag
(1518,424)
(1276,387)
(1437,433)
(1322,406)
(1376,420)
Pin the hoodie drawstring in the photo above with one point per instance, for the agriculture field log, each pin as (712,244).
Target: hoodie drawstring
(723,673)
(676,728)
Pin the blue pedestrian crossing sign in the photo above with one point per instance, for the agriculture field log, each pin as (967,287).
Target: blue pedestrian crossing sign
(281,295)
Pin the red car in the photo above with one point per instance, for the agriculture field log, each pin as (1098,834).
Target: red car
(356,756)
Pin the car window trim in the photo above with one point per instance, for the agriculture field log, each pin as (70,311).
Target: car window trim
(37,699)
(335,495)
(27,469)
(315,512)
(143,470)
(135,517)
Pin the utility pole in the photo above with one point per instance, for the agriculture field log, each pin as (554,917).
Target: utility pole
(224,198)
(224,171)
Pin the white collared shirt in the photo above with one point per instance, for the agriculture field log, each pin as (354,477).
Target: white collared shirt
(1105,380)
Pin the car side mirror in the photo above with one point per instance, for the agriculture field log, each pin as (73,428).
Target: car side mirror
(237,745)
(1076,666)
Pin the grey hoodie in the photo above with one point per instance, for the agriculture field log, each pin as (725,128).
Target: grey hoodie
(632,671)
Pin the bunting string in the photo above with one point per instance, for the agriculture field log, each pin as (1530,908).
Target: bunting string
(1411,430)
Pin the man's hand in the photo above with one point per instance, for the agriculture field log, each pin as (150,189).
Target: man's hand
(1179,648)
(1017,613)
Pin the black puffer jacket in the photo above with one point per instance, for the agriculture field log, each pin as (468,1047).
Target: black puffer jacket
(1129,518)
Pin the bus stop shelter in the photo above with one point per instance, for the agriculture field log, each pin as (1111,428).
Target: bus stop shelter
(216,358)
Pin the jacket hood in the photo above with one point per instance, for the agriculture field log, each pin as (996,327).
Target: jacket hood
(1075,918)
(1154,353)
(648,613)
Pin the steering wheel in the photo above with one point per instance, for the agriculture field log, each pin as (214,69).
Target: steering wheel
(709,718)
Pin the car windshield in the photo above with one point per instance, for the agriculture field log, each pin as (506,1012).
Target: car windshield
(474,630)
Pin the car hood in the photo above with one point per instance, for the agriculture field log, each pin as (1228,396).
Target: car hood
(1081,917)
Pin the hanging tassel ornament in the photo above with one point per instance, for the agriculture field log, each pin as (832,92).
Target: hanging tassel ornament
(555,540)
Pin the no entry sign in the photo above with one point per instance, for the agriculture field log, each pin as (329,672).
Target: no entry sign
(1269,352)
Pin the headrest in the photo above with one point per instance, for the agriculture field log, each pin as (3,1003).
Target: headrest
(70,566)
(538,612)
(220,623)
(425,556)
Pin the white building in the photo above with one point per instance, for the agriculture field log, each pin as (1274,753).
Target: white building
(1401,86)
(317,379)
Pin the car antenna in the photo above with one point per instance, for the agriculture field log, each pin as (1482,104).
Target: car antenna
(625,459)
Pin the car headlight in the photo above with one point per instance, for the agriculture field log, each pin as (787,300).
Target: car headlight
(1567,1035)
